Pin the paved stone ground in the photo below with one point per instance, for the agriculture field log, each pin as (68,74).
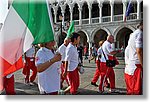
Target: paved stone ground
(85,87)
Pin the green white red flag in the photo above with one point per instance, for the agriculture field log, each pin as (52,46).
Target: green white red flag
(28,22)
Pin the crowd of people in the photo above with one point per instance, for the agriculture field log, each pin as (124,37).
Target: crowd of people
(53,67)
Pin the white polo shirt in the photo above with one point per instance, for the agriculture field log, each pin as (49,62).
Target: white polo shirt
(99,52)
(107,48)
(126,57)
(72,57)
(62,51)
(136,41)
(30,52)
(48,80)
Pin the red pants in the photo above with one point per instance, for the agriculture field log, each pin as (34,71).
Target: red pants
(106,72)
(26,71)
(9,85)
(134,82)
(62,78)
(74,80)
(97,74)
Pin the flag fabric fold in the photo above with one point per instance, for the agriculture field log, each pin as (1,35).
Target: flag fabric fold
(27,23)
(71,29)
(128,10)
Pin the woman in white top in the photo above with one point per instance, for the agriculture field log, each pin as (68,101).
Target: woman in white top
(48,67)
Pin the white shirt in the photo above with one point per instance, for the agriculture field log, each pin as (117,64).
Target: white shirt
(99,52)
(30,52)
(107,48)
(126,55)
(9,75)
(62,51)
(72,57)
(136,41)
(126,60)
(48,80)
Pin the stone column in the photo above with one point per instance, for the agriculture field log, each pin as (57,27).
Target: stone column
(124,9)
(89,6)
(138,11)
(90,45)
(112,11)
(55,16)
(100,12)
(55,13)
(71,15)
(80,15)
(63,17)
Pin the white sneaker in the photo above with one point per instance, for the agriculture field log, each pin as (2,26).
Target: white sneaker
(61,92)
(112,91)
(31,84)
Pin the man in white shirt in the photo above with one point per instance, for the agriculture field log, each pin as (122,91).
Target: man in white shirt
(71,64)
(62,51)
(48,67)
(133,73)
(107,72)
(30,65)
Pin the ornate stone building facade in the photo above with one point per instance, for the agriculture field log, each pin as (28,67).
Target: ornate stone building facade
(95,19)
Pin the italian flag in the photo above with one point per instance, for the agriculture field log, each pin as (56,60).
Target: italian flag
(70,30)
(28,22)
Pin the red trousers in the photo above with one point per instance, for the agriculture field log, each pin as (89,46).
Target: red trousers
(74,80)
(9,85)
(106,72)
(97,74)
(26,71)
(134,82)
(62,78)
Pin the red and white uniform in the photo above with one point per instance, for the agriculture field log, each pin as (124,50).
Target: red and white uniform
(97,72)
(133,72)
(48,80)
(104,70)
(30,65)
(72,58)
(62,51)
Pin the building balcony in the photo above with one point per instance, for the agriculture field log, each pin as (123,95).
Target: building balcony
(107,19)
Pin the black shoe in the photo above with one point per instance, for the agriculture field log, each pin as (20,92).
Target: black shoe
(94,84)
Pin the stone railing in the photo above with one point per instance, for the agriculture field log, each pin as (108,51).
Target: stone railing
(106,19)
(95,20)
(118,17)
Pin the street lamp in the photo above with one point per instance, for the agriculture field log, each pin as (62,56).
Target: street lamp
(62,27)
(61,36)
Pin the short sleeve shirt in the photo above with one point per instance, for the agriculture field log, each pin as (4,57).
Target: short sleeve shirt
(72,57)
(30,52)
(99,52)
(107,48)
(48,80)
(62,51)
(136,41)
